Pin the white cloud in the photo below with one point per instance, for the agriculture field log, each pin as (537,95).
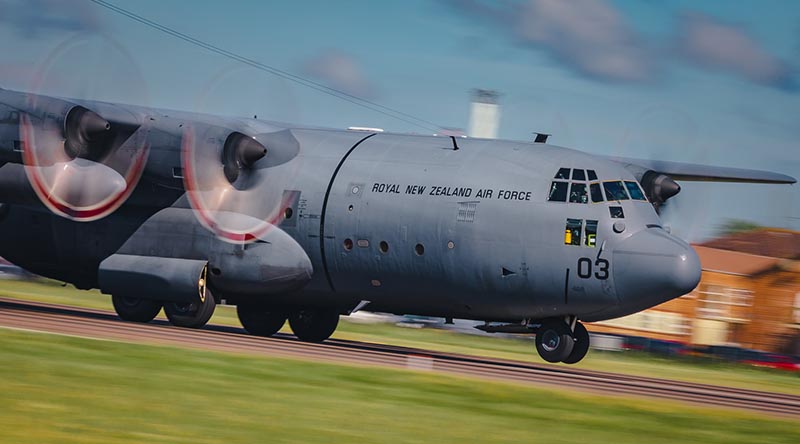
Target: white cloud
(340,71)
(32,18)
(589,36)
(714,45)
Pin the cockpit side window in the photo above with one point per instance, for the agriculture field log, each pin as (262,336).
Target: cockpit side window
(596,192)
(558,192)
(563,173)
(591,233)
(578,174)
(615,190)
(572,233)
(634,190)
(592,175)
(578,194)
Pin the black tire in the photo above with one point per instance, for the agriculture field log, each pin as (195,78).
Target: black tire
(581,346)
(314,325)
(190,314)
(554,340)
(135,309)
(260,322)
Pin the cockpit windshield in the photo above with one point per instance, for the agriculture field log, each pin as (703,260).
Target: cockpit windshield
(634,190)
(615,190)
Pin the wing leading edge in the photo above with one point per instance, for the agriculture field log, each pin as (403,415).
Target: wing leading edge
(705,173)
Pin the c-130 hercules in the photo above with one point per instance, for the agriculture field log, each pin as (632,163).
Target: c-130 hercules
(185,211)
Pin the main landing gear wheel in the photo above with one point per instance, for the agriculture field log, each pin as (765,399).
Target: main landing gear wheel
(191,314)
(135,309)
(314,325)
(259,321)
(581,346)
(554,340)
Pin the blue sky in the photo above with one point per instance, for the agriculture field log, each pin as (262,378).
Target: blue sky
(710,82)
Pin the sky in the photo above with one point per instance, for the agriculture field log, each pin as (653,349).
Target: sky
(712,82)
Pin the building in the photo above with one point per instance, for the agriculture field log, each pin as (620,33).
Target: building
(484,117)
(748,297)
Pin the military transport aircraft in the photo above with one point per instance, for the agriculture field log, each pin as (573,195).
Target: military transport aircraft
(185,211)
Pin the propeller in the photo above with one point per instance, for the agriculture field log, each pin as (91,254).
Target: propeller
(231,182)
(668,131)
(82,159)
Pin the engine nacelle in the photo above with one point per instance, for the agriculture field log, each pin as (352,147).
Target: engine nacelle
(159,278)
(174,239)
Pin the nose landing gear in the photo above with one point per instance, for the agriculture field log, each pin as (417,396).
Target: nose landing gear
(557,342)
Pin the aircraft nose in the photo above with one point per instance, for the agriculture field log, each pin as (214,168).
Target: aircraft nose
(652,267)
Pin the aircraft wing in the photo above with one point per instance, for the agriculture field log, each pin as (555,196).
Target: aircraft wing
(705,173)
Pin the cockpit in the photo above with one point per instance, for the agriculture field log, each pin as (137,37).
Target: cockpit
(579,186)
(582,186)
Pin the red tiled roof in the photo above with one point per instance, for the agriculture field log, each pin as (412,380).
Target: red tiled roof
(770,242)
(733,262)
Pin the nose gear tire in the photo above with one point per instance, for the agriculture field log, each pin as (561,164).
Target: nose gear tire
(554,340)
(581,346)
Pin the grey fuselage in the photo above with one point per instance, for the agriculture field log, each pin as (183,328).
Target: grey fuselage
(406,222)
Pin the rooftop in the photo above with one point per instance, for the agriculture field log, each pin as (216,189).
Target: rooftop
(769,242)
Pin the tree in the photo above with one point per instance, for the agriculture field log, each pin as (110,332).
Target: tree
(734,226)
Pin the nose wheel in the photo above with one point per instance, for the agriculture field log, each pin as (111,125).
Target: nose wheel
(556,342)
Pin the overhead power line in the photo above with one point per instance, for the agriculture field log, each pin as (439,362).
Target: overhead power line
(342,95)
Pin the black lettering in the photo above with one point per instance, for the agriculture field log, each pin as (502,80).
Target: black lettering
(489,193)
(528,195)
(375,188)
(584,268)
(602,273)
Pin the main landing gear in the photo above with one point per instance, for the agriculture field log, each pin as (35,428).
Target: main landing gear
(180,314)
(312,325)
(558,341)
(134,309)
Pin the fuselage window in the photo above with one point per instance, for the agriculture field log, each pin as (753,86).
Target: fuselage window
(615,190)
(577,194)
(616,212)
(578,174)
(591,233)
(634,190)
(592,175)
(558,192)
(572,233)
(563,173)
(596,192)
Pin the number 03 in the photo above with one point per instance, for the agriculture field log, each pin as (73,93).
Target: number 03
(585,268)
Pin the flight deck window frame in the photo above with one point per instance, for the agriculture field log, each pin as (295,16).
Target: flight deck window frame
(610,197)
(632,185)
(554,187)
(583,197)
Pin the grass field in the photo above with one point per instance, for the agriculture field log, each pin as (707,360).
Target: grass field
(57,389)
(440,340)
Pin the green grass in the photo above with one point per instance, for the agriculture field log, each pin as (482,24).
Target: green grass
(522,349)
(57,389)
